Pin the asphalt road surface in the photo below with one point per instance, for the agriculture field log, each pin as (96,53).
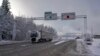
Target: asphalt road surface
(40,49)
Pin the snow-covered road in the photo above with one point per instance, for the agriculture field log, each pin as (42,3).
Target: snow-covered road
(62,40)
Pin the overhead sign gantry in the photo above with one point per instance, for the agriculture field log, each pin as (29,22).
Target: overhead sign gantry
(68,16)
(64,16)
(50,16)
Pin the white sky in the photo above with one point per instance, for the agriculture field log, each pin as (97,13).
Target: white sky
(36,8)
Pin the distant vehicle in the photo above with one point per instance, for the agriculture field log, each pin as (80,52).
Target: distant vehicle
(36,37)
(88,39)
(77,38)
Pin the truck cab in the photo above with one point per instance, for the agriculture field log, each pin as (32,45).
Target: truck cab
(35,36)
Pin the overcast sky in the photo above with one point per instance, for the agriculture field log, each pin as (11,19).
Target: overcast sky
(36,8)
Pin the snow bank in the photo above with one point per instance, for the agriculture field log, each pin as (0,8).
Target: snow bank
(91,50)
(79,45)
(95,47)
(82,48)
(4,42)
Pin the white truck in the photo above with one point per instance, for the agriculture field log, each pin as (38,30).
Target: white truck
(36,36)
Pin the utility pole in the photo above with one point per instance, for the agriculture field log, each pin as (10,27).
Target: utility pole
(85,27)
(92,33)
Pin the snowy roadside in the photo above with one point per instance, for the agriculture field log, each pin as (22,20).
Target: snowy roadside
(82,48)
(4,42)
(95,47)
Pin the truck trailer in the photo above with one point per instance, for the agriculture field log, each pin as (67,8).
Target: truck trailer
(36,37)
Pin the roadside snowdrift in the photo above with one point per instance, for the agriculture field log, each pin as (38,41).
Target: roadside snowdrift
(4,42)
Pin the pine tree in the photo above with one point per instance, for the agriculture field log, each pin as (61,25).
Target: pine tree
(6,21)
(6,6)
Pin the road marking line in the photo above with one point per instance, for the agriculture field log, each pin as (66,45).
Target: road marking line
(59,42)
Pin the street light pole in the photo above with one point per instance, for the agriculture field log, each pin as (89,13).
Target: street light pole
(85,27)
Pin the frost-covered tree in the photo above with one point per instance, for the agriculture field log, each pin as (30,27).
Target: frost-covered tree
(23,28)
(20,28)
(6,21)
(6,6)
